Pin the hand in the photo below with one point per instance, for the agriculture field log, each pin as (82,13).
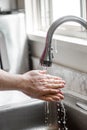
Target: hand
(38,84)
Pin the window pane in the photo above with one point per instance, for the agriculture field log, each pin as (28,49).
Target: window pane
(45,13)
(65,7)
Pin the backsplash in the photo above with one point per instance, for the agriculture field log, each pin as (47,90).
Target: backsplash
(76,81)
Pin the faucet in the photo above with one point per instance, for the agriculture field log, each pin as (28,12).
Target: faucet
(47,55)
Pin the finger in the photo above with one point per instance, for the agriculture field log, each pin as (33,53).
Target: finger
(56,81)
(53,77)
(46,98)
(51,98)
(55,86)
(54,97)
(43,71)
(60,95)
(49,91)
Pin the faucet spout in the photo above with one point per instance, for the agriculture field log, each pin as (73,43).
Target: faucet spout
(47,55)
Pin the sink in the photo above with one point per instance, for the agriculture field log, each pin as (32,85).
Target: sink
(23,116)
(30,115)
(76,111)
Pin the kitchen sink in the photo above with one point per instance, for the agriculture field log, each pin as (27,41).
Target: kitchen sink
(23,116)
(30,115)
(76,111)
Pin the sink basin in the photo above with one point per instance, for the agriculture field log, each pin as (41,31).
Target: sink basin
(24,116)
(76,114)
(30,115)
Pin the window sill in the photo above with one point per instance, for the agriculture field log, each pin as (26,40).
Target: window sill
(70,42)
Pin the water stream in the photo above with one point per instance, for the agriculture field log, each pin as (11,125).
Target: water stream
(55,116)
(61,116)
(55,113)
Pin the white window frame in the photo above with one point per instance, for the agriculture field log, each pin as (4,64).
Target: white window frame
(33,18)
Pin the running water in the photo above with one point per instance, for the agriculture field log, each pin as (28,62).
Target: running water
(61,116)
(55,116)
(55,113)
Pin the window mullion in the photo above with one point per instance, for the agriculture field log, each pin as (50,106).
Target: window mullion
(43,18)
(36,16)
(48,5)
(83,8)
(29,15)
(46,13)
(86,10)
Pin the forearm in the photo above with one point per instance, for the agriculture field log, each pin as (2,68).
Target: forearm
(9,81)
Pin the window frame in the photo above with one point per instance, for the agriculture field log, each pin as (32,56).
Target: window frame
(34,16)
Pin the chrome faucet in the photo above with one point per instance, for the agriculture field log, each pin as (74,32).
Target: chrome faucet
(47,55)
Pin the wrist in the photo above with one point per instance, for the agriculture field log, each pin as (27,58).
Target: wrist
(24,83)
(18,82)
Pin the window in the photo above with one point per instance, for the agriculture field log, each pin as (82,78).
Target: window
(65,7)
(41,14)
